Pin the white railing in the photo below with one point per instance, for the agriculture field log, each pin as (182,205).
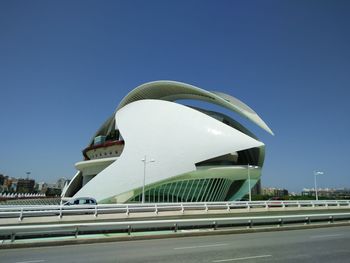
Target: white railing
(30,231)
(21,212)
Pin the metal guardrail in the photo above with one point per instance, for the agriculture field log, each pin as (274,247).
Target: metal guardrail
(21,212)
(32,231)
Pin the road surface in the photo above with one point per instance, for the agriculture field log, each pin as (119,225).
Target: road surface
(308,245)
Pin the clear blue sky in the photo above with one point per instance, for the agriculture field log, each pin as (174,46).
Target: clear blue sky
(65,65)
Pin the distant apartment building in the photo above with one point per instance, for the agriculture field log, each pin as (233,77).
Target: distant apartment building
(13,188)
(256,190)
(9,184)
(2,179)
(61,182)
(340,193)
(41,187)
(53,192)
(274,192)
(25,186)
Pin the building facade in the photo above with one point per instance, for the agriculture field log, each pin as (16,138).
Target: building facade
(332,193)
(25,185)
(154,149)
(275,192)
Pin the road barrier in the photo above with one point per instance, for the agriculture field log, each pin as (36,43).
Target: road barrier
(21,212)
(174,225)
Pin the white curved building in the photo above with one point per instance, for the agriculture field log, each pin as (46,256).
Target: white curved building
(157,150)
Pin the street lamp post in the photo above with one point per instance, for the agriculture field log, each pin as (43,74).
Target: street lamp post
(249,186)
(315,175)
(145,162)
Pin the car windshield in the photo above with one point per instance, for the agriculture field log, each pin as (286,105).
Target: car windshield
(82,201)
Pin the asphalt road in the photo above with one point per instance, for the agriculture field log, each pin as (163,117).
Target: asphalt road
(310,245)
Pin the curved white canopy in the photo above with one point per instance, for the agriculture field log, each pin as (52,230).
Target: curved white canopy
(176,144)
(173,90)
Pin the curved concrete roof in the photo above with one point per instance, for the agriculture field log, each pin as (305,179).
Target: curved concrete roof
(173,90)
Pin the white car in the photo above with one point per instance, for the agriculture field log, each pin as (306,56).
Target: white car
(82,201)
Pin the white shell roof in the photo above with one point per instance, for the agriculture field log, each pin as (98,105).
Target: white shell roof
(173,90)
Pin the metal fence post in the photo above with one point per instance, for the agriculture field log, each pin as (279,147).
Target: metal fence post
(60,215)
(156,209)
(129,230)
(250,222)
(76,232)
(127,210)
(21,215)
(175,227)
(13,237)
(96,211)
(308,220)
(331,219)
(280,222)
